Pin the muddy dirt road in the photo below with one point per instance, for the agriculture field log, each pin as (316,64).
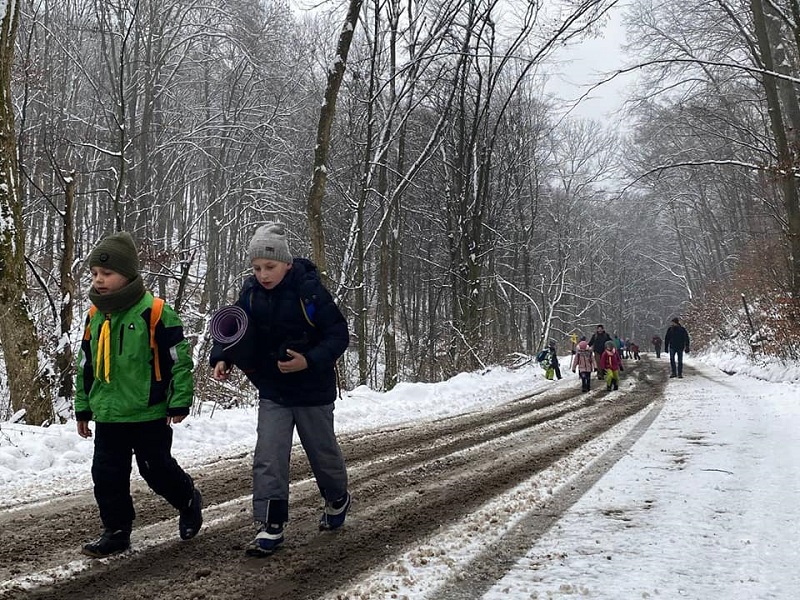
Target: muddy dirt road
(406,483)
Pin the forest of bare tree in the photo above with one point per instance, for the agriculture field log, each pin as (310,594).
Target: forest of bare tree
(459,215)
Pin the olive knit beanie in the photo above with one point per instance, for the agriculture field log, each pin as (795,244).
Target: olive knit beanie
(116,252)
(269,241)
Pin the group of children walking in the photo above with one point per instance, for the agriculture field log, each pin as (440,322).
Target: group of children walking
(135,380)
(601,355)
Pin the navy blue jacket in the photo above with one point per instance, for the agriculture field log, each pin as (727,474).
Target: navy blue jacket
(280,322)
(676,338)
(598,342)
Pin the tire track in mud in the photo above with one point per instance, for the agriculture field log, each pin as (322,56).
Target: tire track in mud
(476,578)
(68,522)
(406,482)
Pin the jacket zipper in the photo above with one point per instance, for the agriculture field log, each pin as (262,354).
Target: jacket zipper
(121,334)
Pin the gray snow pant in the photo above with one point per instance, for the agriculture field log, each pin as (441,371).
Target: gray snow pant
(276,425)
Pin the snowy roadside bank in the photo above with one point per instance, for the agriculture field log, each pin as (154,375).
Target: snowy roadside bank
(38,463)
(704,506)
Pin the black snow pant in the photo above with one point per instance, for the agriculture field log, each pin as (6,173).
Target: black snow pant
(556,369)
(586,380)
(151,442)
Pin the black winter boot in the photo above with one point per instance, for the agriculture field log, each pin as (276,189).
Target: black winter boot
(110,542)
(191,518)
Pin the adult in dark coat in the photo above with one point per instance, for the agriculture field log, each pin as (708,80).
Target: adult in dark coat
(676,342)
(598,345)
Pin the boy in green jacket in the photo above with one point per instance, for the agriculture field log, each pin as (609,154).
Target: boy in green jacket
(134,380)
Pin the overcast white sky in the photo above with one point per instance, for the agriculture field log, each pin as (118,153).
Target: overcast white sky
(576,68)
(587,63)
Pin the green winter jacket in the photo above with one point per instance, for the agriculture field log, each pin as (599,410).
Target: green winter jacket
(132,393)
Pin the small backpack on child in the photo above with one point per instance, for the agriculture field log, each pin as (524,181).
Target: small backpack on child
(545,360)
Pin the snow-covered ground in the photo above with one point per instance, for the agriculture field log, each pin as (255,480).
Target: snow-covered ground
(705,505)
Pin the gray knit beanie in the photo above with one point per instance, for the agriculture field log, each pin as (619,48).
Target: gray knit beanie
(117,252)
(269,241)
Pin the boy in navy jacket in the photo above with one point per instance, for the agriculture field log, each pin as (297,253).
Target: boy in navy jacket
(299,333)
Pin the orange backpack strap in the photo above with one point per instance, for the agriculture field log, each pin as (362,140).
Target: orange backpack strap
(86,333)
(155,316)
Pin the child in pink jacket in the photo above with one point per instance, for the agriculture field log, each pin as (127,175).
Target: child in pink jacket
(583,361)
(612,363)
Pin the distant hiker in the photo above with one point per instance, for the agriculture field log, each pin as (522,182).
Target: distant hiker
(300,335)
(573,339)
(548,360)
(598,344)
(134,380)
(676,342)
(656,341)
(611,363)
(634,351)
(584,363)
(554,359)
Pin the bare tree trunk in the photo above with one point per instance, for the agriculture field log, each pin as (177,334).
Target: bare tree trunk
(18,337)
(388,249)
(361,296)
(115,44)
(361,320)
(320,175)
(386,278)
(787,155)
(64,357)
(186,265)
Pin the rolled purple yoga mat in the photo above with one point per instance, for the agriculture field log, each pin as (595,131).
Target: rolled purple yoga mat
(229,325)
